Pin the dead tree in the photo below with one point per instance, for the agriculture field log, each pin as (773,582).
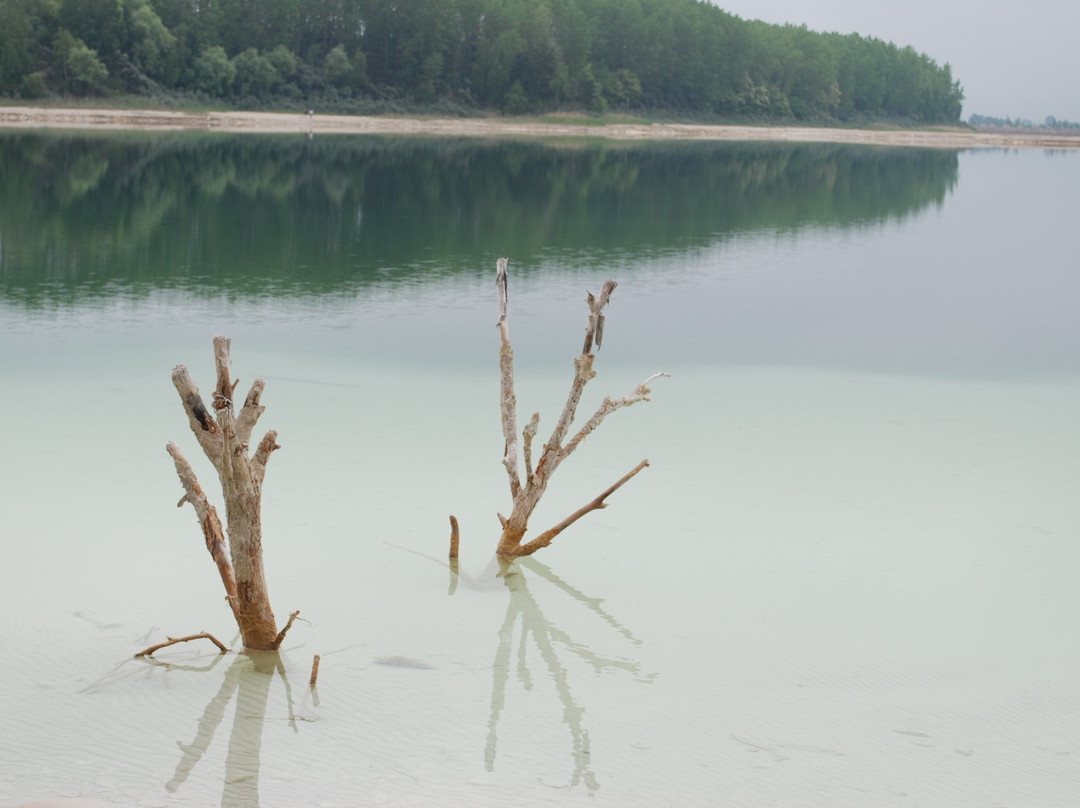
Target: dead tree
(223,433)
(526,495)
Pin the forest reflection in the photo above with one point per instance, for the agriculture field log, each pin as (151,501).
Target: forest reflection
(99,215)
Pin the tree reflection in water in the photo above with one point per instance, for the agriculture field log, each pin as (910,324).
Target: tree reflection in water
(248,678)
(550,641)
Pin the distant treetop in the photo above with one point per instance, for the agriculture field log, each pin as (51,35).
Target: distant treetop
(1020,123)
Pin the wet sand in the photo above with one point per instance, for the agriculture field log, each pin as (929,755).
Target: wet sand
(268,122)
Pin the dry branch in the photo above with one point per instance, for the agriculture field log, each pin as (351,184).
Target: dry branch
(526,494)
(280,638)
(174,640)
(506,392)
(208,519)
(544,539)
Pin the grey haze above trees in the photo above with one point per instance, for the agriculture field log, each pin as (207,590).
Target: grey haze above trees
(516,56)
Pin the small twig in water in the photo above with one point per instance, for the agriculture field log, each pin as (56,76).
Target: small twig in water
(174,640)
(454,536)
(281,634)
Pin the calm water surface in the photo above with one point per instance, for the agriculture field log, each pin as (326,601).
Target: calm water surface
(847,578)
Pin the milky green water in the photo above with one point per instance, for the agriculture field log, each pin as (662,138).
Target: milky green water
(847,578)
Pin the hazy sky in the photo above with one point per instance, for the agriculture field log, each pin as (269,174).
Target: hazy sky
(1013,59)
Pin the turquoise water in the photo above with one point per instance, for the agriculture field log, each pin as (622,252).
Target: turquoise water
(846,578)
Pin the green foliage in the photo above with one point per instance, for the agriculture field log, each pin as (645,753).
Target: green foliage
(98,23)
(27,30)
(85,72)
(517,103)
(214,73)
(337,67)
(34,85)
(254,74)
(152,45)
(284,62)
(684,56)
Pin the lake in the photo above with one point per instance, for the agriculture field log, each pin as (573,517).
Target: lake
(848,576)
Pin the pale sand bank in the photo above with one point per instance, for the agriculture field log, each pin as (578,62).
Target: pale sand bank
(42,118)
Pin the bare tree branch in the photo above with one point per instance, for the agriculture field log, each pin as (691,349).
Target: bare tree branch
(225,386)
(266,447)
(250,412)
(641,393)
(174,640)
(595,328)
(281,634)
(508,401)
(526,496)
(528,433)
(202,423)
(545,538)
(583,374)
(208,519)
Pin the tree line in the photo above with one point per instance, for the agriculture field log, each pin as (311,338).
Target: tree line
(515,56)
(990,122)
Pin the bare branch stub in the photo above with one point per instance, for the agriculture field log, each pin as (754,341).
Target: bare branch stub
(455,536)
(526,493)
(281,634)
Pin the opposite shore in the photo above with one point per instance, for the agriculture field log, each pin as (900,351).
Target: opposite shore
(16,117)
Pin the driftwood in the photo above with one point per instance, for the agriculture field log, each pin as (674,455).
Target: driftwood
(526,493)
(224,435)
(175,640)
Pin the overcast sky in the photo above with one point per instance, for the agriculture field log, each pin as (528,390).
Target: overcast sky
(1015,59)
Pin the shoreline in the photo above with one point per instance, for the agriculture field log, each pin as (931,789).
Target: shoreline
(23,117)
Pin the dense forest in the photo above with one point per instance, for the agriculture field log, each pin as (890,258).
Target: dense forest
(516,56)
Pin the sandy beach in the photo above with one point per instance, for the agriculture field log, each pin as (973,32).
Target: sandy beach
(267,122)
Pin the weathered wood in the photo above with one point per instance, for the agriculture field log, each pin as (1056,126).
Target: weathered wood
(281,634)
(202,635)
(544,539)
(455,536)
(224,439)
(526,494)
(508,407)
(208,520)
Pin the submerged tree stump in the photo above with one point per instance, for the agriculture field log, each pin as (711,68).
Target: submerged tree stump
(224,435)
(526,494)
